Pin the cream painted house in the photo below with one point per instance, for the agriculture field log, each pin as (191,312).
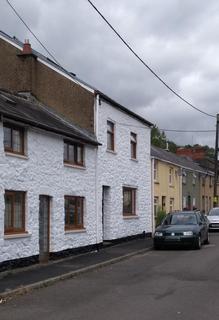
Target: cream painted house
(167,178)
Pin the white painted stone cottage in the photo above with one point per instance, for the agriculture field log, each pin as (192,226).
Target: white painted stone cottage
(100,191)
(47,182)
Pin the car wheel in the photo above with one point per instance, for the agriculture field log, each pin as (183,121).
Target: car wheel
(157,247)
(207,241)
(198,242)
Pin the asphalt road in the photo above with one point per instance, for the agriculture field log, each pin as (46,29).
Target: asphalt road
(159,285)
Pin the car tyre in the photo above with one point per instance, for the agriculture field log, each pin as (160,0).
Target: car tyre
(207,241)
(157,247)
(198,243)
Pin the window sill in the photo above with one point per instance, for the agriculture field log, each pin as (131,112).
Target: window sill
(133,159)
(69,165)
(16,155)
(111,151)
(16,236)
(131,217)
(157,182)
(75,231)
(171,186)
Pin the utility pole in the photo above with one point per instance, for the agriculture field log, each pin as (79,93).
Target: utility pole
(216,164)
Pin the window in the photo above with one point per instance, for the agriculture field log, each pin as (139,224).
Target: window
(110,136)
(194,178)
(155,170)
(73,153)
(74,212)
(13,139)
(156,203)
(171,176)
(133,143)
(210,181)
(129,201)
(184,177)
(171,204)
(14,212)
(203,181)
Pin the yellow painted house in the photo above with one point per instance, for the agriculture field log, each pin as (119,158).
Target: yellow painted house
(167,181)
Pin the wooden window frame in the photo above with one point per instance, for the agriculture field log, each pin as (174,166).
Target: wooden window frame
(75,146)
(75,226)
(171,176)
(111,133)
(22,136)
(133,201)
(13,230)
(133,145)
(155,170)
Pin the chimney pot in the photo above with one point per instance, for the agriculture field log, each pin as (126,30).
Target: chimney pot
(27,47)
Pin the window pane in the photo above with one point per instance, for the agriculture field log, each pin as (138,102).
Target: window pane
(18,208)
(110,126)
(7,138)
(65,152)
(8,212)
(80,211)
(70,153)
(109,141)
(127,201)
(17,140)
(79,154)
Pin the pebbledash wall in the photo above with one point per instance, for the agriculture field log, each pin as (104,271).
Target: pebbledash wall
(117,170)
(43,172)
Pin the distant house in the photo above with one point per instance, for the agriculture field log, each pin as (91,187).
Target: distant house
(179,183)
(47,179)
(121,192)
(167,181)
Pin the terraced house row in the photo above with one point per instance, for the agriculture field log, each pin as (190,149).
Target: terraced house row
(75,165)
(179,183)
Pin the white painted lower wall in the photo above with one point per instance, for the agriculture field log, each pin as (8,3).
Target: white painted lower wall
(43,172)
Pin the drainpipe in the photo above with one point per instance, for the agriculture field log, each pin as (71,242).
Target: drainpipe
(96,112)
(152,196)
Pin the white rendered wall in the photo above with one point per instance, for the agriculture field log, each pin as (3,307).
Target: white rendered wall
(44,173)
(117,170)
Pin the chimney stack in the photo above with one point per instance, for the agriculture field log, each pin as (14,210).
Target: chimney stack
(27,47)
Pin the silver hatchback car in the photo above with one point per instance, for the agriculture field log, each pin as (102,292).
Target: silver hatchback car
(213,218)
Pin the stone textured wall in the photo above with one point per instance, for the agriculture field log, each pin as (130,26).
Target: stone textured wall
(26,73)
(44,173)
(116,170)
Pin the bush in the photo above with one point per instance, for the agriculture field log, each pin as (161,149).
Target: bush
(161,214)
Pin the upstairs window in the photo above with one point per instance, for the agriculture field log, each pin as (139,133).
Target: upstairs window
(110,136)
(133,142)
(155,170)
(14,212)
(74,211)
(171,176)
(129,201)
(13,139)
(73,153)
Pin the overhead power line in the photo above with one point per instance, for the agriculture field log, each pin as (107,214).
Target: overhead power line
(33,34)
(146,65)
(40,42)
(176,130)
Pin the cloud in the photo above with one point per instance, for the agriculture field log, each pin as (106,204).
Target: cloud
(178,39)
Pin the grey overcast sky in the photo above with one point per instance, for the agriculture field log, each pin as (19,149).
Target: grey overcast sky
(178,39)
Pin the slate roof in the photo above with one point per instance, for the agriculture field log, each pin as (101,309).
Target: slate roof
(171,157)
(75,78)
(35,114)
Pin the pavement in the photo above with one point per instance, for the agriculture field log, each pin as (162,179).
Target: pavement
(23,280)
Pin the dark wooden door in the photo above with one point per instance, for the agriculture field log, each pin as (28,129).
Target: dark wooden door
(44,228)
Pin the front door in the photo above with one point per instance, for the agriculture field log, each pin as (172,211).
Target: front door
(44,228)
(105,210)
